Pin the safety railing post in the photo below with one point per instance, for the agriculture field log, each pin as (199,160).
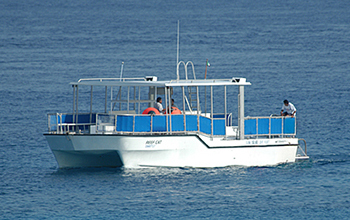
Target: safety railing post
(270,127)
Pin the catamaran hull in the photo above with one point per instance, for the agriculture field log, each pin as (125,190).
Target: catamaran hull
(168,151)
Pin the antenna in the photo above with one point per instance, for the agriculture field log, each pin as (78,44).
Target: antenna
(121,71)
(178,41)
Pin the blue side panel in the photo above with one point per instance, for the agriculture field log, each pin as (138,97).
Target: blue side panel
(93,118)
(53,119)
(142,123)
(84,118)
(119,123)
(177,123)
(276,126)
(289,126)
(249,126)
(205,125)
(66,119)
(263,126)
(159,123)
(191,123)
(219,127)
(124,123)
(53,123)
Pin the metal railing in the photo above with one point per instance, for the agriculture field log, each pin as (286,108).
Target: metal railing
(301,153)
(155,124)
(61,123)
(214,126)
(270,127)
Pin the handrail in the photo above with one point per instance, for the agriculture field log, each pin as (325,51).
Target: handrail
(185,66)
(301,154)
(304,151)
(59,124)
(72,125)
(271,125)
(188,104)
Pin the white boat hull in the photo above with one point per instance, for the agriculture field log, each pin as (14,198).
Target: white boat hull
(168,151)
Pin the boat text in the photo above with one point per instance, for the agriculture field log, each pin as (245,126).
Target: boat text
(255,142)
(152,143)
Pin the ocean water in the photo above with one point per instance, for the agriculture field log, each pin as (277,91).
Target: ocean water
(297,50)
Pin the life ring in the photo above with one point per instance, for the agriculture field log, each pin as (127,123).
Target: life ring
(151,111)
(175,111)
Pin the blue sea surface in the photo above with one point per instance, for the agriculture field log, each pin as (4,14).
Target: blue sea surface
(297,50)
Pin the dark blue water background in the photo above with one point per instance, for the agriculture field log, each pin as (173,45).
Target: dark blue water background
(297,50)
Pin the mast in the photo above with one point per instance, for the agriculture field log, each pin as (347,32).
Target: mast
(178,41)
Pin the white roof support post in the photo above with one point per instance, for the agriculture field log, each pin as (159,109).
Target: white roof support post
(211,111)
(135,98)
(184,107)
(73,102)
(198,115)
(155,96)
(166,105)
(205,100)
(198,106)
(241,112)
(76,108)
(128,102)
(169,109)
(139,112)
(120,97)
(91,104)
(106,99)
(111,98)
(152,95)
(225,99)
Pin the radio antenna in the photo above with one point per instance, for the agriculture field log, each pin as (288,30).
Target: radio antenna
(178,41)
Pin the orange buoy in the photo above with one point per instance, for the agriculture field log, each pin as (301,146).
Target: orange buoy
(151,111)
(175,111)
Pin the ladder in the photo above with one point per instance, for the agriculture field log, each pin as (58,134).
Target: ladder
(192,95)
(192,91)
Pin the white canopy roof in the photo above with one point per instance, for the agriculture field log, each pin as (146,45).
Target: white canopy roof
(172,83)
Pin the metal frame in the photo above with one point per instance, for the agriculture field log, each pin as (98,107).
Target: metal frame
(269,135)
(141,82)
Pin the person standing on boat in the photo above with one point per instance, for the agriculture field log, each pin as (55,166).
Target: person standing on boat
(288,109)
(173,104)
(159,105)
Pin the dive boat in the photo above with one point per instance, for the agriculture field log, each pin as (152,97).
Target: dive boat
(125,130)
